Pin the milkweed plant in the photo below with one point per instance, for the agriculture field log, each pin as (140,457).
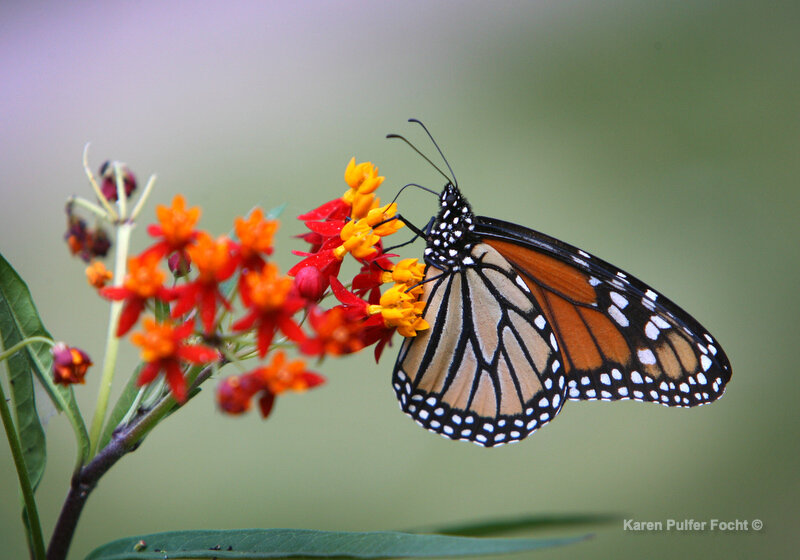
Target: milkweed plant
(198,307)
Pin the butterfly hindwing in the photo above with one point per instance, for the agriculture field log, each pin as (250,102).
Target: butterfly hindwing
(489,371)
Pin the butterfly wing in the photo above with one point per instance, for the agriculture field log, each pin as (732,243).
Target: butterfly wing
(619,338)
(488,370)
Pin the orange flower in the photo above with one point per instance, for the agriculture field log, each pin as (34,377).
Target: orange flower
(176,228)
(98,275)
(400,309)
(358,239)
(234,393)
(164,349)
(255,238)
(212,257)
(215,264)
(272,303)
(143,281)
(69,364)
(362,179)
(337,332)
(362,204)
(407,271)
(282,375)
(383,220)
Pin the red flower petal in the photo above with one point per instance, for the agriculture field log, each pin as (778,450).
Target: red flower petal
(326,229)
(265,403)
(148,373)
(312,379)
(197,354)
(176,381)
(290,329)
(266,332)
(130,314)
(347,298)
(331,208)
(246,322)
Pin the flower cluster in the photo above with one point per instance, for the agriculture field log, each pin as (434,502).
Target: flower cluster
(356,224)
(227,300)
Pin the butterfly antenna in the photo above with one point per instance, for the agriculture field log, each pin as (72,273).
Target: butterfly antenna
(433,192)
(423,156)
(438,149)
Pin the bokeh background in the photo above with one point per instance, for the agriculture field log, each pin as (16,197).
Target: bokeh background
(661,136)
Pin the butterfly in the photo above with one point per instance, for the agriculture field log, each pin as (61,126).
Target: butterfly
(521,322)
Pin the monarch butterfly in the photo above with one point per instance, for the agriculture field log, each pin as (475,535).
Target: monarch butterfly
(521,322)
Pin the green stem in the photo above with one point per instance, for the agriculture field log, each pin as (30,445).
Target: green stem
(126,439)
(24,480)
(112,342)
(22,344)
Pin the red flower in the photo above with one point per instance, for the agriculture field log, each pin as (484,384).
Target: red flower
(164,349)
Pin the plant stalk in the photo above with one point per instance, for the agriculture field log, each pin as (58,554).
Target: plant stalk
(37,540)
(112,342)
(84,481)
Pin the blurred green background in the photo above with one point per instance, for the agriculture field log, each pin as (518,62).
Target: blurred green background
(661,136)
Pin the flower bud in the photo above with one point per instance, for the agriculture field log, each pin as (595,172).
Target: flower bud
(309,283)
(69,364)
(109,186)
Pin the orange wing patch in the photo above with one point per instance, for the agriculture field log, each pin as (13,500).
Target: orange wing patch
(553,273)
(586,336)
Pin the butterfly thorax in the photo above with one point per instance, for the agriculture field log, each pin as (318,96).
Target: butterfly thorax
(450,239)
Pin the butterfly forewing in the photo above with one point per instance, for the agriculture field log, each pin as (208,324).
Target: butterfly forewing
(620,339)
(490,370)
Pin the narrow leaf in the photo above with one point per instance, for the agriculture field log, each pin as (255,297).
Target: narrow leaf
(294,543)
(524,523)
(20,320)
(29,427)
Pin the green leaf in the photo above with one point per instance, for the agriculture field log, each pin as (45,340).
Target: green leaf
(276,212)
(524,523)
(20,320)
(28,424)
(294,543)
(121,407)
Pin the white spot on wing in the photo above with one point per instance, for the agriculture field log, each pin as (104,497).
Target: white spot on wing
(617,315)
(646,356)
(619,299)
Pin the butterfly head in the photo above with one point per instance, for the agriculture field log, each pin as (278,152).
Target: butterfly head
(450,239)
